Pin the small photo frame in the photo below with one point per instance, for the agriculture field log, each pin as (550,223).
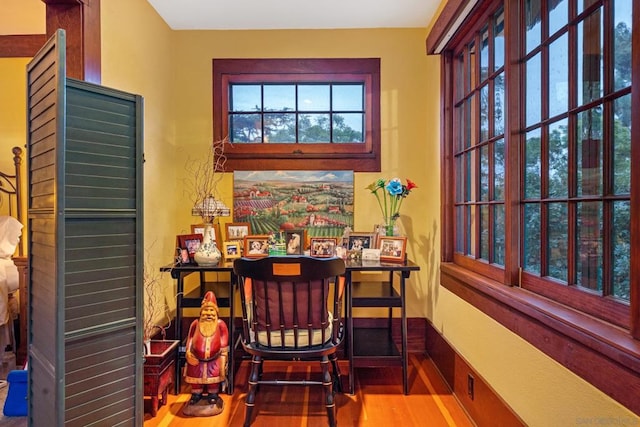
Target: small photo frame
(359,241)
(232,250)
(197,229)
(256,246)
(295,240)
(182,257)
(190,242)
(323,247)
(392,248)
(237,230)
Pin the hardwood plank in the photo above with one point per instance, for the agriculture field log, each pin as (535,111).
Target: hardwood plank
(378,399)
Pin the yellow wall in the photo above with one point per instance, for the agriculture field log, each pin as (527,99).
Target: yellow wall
(172,70)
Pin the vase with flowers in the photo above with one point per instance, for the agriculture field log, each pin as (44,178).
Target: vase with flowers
(393,194)
(204,176)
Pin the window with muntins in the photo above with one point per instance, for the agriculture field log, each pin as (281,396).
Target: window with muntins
(276,112)
(561,177)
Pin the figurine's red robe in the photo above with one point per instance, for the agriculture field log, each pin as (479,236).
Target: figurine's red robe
(211,367)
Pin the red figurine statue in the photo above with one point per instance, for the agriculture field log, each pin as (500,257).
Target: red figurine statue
(206,353)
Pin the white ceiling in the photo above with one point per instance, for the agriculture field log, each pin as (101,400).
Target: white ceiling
(294,14)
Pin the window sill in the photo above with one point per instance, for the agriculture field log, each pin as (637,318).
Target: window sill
(600,353)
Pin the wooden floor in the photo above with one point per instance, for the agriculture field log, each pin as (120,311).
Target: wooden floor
(378,401)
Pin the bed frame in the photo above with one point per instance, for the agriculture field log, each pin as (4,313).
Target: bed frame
(11,204)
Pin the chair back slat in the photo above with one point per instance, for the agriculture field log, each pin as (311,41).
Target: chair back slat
(287,304)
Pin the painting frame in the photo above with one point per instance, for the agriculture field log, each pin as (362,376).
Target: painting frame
(323,247)
(232,249)
(290,240)
(190,242)
(236,230)
(392,248)
(256,245)
(361,240)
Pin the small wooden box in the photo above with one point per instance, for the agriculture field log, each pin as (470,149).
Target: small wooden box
(159,371)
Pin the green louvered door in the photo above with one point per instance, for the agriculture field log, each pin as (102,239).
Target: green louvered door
(85,248)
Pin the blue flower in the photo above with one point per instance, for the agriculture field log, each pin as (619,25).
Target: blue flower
(394,187)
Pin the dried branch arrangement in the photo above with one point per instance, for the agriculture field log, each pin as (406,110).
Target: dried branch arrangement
(156,309)
(202,178)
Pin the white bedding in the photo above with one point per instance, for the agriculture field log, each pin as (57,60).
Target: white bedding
(10,231)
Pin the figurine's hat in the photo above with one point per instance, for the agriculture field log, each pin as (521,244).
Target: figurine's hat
(210,300)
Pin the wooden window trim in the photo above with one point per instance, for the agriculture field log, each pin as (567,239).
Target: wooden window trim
(604,353)
(361,157)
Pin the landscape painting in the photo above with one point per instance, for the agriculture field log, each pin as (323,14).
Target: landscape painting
(321,202)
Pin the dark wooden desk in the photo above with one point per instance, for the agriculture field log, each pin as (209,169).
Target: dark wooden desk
(357,294)
(224,296)
(370,347)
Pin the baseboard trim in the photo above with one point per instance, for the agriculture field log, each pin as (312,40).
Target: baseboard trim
(484,406)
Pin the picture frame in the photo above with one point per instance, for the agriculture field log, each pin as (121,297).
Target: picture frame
(392,248)
(256,246)
(237,230)
(323,247)
(295,240)
(232,249)
(197,229)
(358,241)
(190,242)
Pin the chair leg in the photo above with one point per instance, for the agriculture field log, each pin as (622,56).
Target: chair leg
(337,378)
(254,376)
(327,384)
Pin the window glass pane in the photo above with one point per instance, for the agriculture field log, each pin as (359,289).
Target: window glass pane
(313,98)
(590,68)
(622,44)
(558,159)
(313,127)
(245,98)
(532,165)
(484,173)
(533,28)
(498,108)
(460,229)
(471,230)
(347,127)
(498,41)
(279,97)
(280,127)
(484,113)
(498,170)
(460,76)
(589,170)
(533,93)
(459,128)
(472,122)
(558,15)
(459,179)
(621,242)
(484,232)
(558,237)
(484,55)
(245,127)
(498,234)
(589,245)
(622,145)
(559,76)
(468,167)
(348,97)
(531,242)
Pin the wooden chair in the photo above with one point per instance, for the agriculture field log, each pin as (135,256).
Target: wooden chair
(291,310)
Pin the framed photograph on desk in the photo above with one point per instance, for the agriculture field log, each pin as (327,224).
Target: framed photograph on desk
(323,247)
(232,250)
(256,246)
(190,243)
(237,230)
(392,248)
(359,241)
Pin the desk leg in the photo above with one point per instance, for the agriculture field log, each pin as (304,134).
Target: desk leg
(231,329)
(178,329)
(349,321)
(405,381)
